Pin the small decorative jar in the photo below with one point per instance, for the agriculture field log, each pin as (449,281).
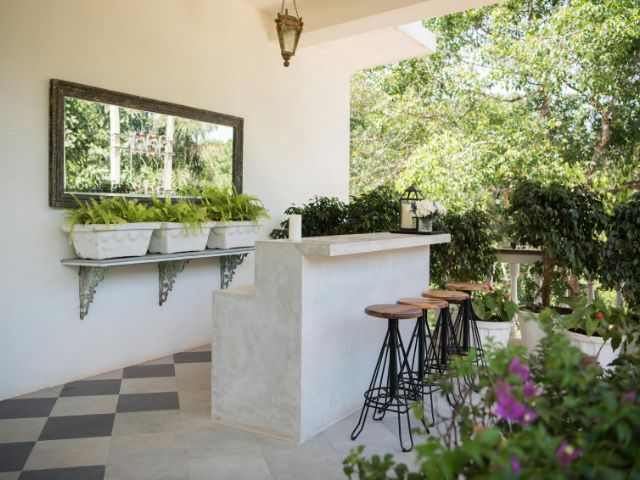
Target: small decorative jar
(425,224)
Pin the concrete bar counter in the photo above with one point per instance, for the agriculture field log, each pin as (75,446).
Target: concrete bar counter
(294,353)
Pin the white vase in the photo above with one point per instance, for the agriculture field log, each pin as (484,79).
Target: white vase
(233,235)
(173,237)
(532,332)
(499,331)
(594,346)
(99,242)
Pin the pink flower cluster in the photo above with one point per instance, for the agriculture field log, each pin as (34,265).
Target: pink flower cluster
(507,405)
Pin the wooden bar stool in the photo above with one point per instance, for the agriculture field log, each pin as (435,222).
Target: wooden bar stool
(386,392)
(421,353)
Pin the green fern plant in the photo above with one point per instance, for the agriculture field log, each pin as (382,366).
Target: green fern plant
(107,211)
(183,211)
(226,204)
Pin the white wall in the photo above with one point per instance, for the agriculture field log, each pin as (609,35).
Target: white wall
(211,54)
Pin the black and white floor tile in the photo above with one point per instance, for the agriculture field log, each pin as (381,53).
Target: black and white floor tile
(152,421)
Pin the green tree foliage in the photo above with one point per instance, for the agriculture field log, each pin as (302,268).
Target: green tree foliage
(622,252)
(566,223)
(470,256)
(545,89)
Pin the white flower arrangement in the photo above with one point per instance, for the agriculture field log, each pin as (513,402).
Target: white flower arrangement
(427,209)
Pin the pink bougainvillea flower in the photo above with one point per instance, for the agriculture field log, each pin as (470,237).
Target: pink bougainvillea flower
(490,288)
(628,397)
(519,369)
(508,407)
(515,465)
(566,454)
(527,417)
(529,389)
(588,360)
(600,315)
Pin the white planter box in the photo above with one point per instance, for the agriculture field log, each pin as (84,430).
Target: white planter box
(172,237)
(98,242)
(500,332)
(594,346)
(532,332)
(233,235)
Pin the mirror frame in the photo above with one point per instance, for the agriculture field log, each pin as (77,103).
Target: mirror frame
(59,89)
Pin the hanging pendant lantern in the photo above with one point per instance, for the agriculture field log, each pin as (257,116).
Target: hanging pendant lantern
(408,220)
(289,28)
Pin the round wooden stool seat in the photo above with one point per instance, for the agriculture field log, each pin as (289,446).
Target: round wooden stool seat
(393,311)
(448,295)
(424,303)
(469,286)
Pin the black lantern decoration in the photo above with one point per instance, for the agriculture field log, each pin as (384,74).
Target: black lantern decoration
(289,28)
(408,221)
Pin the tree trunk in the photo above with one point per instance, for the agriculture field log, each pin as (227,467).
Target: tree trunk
(547,277)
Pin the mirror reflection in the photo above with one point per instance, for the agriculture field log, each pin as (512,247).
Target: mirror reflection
(121,150)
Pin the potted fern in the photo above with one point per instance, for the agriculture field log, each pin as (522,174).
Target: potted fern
(496,313)
(109,228)
(184,226)
(596,329)
(236,217)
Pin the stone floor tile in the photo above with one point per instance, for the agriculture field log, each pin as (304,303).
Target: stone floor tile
(295,466)
(50,392)
(167,360)
(26,407)
(192,357)
(91,387)
(149,385)
(77,452)
(195,401)
(317,445)
(144,402)
(85,405)
(231,467)
(9,475)
(193,371)
(202,348)
(217,440)
(135,423)
(112,375)
(13,456)
(94,472)
(21,429)
(146,371)
(159,456)
(78,426)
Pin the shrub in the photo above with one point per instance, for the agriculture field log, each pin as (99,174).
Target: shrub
(108,211)
(556,415)
(470,256)
(622,252)
(373,211)
(564,222)
(226,204)
(183,211)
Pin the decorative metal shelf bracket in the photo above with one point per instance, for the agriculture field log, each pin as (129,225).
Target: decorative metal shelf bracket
(90,277)
(91,272)
(228,266)
(168,271)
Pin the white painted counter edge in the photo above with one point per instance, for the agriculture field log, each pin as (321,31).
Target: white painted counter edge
(334,246)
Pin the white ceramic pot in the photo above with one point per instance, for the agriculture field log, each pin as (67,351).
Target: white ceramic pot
(233,235)
(173,237)
(531,331)
(593,346)
(498,330)
(98,242)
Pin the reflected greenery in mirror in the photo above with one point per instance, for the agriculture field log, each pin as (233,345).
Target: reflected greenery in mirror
(110,143)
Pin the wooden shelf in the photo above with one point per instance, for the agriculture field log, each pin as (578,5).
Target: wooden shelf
(91,272)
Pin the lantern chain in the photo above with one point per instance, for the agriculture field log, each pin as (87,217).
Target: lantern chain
(294,6)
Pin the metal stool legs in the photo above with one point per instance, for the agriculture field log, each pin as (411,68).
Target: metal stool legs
(420,347)
(446,344)
(386,392)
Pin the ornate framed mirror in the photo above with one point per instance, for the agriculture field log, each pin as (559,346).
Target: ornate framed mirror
(104,143)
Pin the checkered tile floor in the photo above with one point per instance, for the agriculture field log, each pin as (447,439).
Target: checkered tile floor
(152,422)
(65,432)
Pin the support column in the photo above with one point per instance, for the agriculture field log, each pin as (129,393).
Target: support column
(114,151)
(514,273)
(167,174)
